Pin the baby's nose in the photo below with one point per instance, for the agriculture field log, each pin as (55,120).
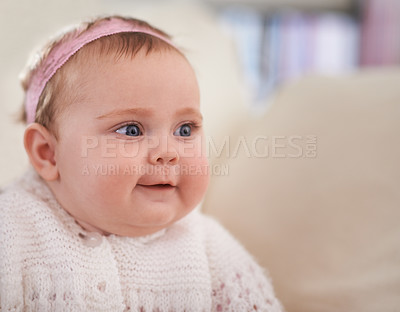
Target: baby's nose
(163,152)
(163,158)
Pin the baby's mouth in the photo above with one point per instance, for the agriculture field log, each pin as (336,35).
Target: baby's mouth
(158,187)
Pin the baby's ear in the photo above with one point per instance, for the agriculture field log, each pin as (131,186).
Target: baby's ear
(40,146)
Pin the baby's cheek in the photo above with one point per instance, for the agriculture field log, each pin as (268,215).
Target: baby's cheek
(131,156)
(194,177)
(192,149)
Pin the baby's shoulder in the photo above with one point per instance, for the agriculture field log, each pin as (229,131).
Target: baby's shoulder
(21,207)
(15,226)
(12,200)
(28,189)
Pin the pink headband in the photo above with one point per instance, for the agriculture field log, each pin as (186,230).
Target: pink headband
(60,54)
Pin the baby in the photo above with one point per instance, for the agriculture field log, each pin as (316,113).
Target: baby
(105,221)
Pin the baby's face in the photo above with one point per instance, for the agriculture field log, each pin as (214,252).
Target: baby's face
(130,149)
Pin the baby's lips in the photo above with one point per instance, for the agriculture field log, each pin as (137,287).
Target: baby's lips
(159,188)
(158,181)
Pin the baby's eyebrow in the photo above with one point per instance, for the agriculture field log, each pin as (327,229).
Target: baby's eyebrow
(190,111)
(123,112)
(147,112)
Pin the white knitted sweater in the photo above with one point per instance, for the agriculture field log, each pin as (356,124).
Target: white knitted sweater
(46,263)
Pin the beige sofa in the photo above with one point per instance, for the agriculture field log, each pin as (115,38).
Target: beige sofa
(322,215)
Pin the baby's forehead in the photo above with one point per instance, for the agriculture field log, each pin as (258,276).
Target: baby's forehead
(164,77)
(112,51)
(94,61)
(108,51)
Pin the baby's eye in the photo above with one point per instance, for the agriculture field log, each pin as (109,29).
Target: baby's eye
(130,130)
(184,130)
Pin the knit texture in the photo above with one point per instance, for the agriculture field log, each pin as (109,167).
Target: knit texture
(45,264)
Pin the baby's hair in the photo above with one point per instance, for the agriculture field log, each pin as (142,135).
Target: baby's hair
(59,89)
